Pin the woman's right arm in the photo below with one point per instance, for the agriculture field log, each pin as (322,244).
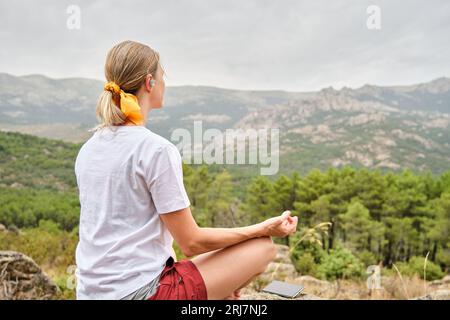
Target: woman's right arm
(194,240)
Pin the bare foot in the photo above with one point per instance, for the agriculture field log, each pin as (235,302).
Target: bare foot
(235,295)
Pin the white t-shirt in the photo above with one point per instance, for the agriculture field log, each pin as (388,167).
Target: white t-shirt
(126,178)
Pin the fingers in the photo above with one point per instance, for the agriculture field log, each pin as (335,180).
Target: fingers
(291,225)
(287,218)
(283,217)
(286,214)
(285,223)
(295,221)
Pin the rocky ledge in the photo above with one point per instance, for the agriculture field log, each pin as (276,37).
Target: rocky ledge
(282,269)
(21,278)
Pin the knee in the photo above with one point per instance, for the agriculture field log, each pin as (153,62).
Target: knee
(263,248)
(263,251)
(272,250)
(269,249)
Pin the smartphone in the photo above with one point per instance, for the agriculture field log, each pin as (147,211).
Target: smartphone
(284,289)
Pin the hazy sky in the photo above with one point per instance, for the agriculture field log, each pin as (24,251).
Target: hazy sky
(243,44)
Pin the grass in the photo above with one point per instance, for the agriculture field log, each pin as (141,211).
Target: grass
(425,272)
(401,279)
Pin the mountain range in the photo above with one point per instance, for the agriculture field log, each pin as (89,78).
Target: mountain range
(385,127)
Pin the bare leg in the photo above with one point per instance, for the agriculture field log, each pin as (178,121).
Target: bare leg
(233,295)
(228,269)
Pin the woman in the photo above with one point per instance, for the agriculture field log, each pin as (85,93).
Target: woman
(133,204)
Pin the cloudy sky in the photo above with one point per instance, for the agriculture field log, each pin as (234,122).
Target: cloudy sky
(291,45)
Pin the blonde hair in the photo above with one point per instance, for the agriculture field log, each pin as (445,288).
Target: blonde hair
(127,64)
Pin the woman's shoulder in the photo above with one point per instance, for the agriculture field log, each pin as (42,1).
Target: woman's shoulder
(159,144)
(157,140)
(159,152)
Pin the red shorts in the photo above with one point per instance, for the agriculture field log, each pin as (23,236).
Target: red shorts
(180,280)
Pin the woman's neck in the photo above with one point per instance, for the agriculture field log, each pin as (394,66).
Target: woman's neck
(144,105)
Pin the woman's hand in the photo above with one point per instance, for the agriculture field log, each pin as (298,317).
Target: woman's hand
(280,226)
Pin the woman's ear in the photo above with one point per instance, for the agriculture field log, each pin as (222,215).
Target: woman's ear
(149,82)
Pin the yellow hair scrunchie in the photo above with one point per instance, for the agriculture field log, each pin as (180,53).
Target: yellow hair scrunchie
(128,103)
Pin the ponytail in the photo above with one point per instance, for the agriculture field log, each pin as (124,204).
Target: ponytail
(107,112)
(127,65)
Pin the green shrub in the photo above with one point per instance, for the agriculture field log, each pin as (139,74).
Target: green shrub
(340,264)
(305,264)
(314,249)
(443,258)
(367,258)
(49,247)
(26,207)
(65,293)
(49,226)
(415,267)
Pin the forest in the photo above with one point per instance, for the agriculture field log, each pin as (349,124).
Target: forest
(349,218)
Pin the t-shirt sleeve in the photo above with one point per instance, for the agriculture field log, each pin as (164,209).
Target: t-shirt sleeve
(165,181)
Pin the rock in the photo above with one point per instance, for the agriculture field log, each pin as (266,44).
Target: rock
(250,294)
(365,118)
(14,229)
(436,295)
(269,296)
(2,228)
(282,254)
(21,278)
(280,269)
(444,283)
(311,281)
(315,286)
(440,290)
(16,185)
